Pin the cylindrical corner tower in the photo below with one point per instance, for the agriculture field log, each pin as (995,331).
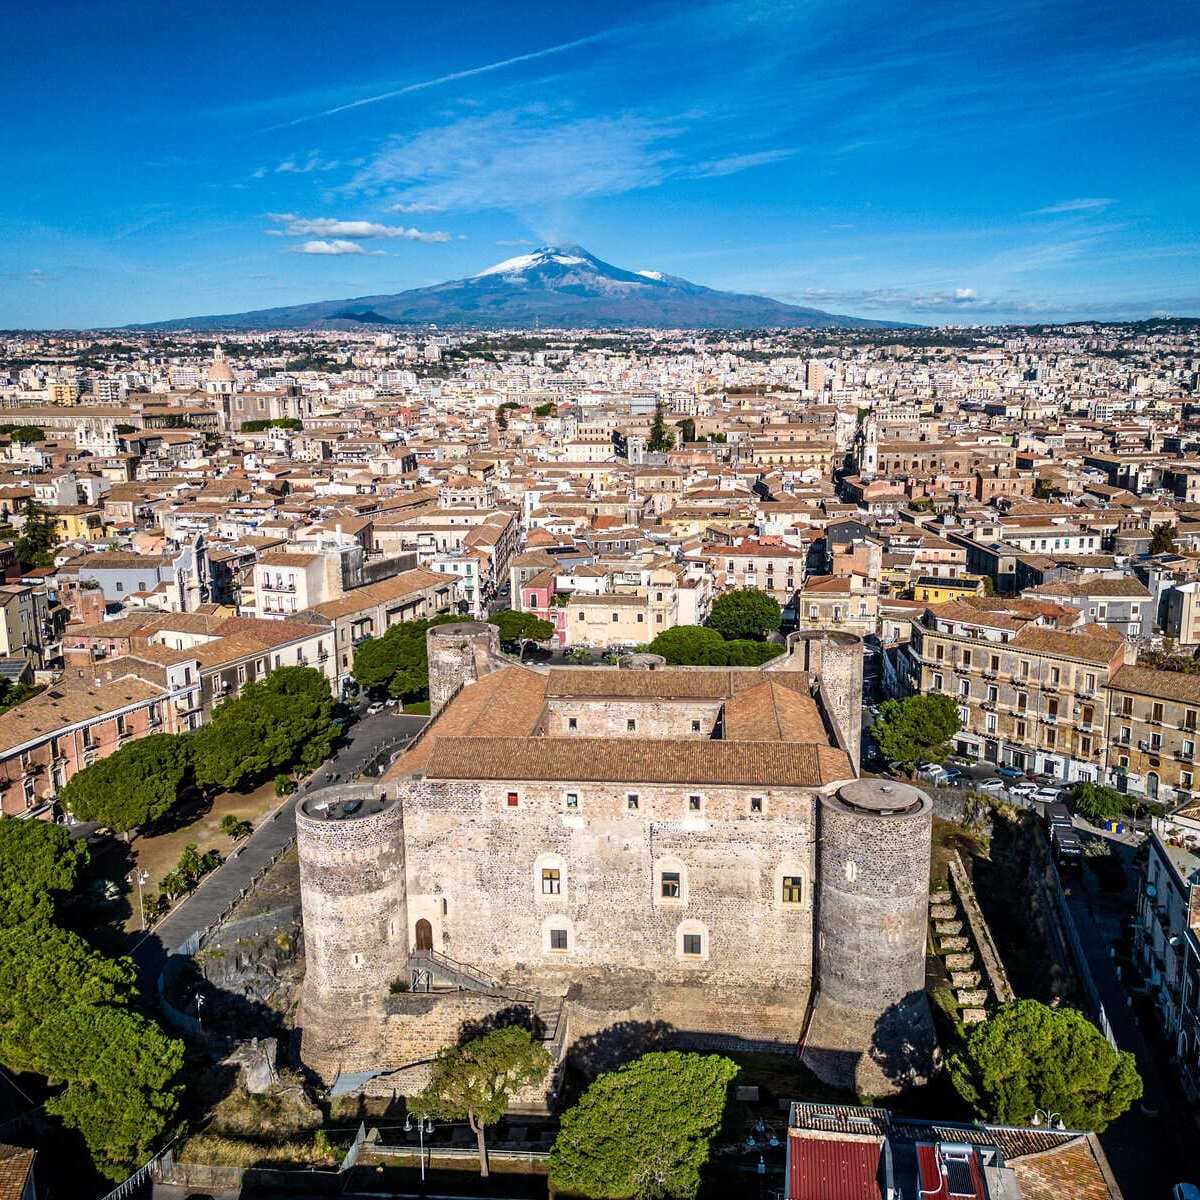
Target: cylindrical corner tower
(458,654)
(835,660)
(350,841)
(873,893)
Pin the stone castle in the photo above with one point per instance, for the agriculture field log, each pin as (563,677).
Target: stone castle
(621,855)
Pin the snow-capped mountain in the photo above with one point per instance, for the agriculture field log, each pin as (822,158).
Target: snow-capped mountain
(556,286)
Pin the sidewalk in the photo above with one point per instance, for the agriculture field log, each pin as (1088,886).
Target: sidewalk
(220,889)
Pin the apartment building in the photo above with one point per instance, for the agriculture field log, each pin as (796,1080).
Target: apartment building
(635,608)
(1030,694)
(1166,937)
(1153,733)
(779,569)
(370,611)
(845,602)
(1122,604)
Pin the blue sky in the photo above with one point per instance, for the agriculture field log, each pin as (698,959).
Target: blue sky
(937,162)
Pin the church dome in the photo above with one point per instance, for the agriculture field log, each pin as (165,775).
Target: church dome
(219,371)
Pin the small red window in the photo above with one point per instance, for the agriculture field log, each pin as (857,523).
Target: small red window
(512,799)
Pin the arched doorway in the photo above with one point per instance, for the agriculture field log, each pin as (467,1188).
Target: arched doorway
(424,935)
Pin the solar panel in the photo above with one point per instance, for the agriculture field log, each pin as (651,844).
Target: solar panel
(959,1177)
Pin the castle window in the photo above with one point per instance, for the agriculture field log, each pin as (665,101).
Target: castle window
(572,800)
(756,804)
(513,799)
(793,889)
(558,939)
(693,944)
(695,726)
(631,726)
(694,804)
(551,882)
(851,871)
(670,885)
(572,723)
(632,801)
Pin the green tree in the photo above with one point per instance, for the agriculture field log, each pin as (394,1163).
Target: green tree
(659,440)
(284,721)
(743,653)
(1098,802)
(132,787)
(235,828)
(521,627)
(549,409)
(398,660)
(25,435)
(745,613)
(917,729)
(687,429)
(690,646)
(71,1015)
(39,863)
(38,536)
(478,1080)
(1030,1056)
(1162,540)
(644,1130)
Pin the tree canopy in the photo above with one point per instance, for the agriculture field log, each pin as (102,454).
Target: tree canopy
(132,787)
(397,661)
(478,1080)
(522,627)
(696,646)
(1098,802)
(284,721)
(38,536)
(917,729)
(1030,1056)
(643,1130)
(1162,539)
(745,613)
(70,1014)
(659,440)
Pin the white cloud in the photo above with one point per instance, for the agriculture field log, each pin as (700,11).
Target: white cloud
(297,226)
(741,162)
(521,160)
(965,295)
(323,247)
(1084,204)
(412,208)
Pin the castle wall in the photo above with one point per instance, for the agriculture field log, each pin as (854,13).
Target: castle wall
(475,862)
(835,660)
(610,718)
(352,884)
(459,654)
(874,899)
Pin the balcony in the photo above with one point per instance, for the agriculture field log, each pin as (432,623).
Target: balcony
(278,587)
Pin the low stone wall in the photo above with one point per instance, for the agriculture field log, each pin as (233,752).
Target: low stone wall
(989,956)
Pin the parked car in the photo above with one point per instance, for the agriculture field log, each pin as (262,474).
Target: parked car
(1048,795)
(992,787)
(377,707)
(1010,773)
(955,776)
(1022,788)
(933,772)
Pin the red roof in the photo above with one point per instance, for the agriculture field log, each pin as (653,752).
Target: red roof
(936,1185)
(832,1169)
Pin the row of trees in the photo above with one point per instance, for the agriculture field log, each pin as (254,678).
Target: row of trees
(72,1015)
(284,722)
(735,635)
(646,1129)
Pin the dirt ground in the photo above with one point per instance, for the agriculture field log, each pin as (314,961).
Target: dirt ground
(197,822)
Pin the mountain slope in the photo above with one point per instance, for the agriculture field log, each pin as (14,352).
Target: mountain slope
(557,286)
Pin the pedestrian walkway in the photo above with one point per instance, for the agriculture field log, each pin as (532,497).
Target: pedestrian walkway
(223,887)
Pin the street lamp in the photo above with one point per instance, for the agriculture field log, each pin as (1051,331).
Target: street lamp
(140,877)
(423,1127)
(1052,1119)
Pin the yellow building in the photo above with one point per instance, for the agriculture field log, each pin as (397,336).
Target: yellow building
(75,522)
(933,590)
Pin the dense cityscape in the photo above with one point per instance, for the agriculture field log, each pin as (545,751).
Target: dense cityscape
(797,723)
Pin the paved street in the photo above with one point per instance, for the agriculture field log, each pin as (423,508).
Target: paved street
(363,743)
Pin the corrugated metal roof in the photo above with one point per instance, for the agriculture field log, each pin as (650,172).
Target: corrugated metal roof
(833,1168)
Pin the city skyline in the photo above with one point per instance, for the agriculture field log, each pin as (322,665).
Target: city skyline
(1003,164)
